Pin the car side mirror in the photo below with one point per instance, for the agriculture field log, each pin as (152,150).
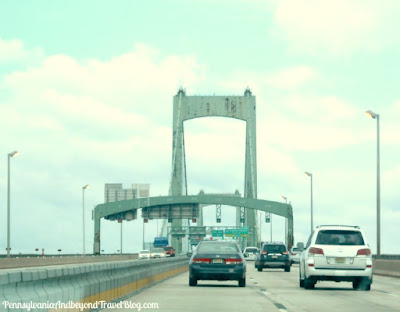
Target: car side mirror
(245,255)
(189,254)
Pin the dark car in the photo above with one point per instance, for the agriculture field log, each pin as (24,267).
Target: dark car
(217,260)
(170,251)
(273,255)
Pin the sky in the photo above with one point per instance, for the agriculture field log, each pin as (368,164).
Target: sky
(86,91)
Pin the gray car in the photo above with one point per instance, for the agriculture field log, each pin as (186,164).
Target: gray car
(217,260)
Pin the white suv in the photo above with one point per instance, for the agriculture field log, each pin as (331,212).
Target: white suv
(336,253)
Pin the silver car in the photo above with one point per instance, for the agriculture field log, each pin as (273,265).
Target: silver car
(250,253)
(295,253)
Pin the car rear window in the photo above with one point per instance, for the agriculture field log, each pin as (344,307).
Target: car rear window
(339,237)
(251,250)
(274,248)
(220,248)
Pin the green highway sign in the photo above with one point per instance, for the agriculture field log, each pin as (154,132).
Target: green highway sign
(217,233)
(244,231)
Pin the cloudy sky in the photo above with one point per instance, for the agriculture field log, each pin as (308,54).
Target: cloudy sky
(86,94)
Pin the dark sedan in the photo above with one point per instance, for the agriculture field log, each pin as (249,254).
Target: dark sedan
(217,260)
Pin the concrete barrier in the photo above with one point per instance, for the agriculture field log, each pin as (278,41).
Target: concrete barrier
(9,263)
(85,283)
(386,267)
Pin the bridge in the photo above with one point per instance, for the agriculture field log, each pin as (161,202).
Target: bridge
(168,204)
(179,205)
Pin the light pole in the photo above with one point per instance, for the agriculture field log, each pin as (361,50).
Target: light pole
(270,223)
(310,175)
(15,153)
(87,186)
(373,115)
(121,236)
(286,220)
(259,216)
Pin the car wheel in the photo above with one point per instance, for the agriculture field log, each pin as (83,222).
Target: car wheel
(308,283)
(356,284)
(242,282)
(301,282)
(363,284)
(259,268)
(287,268)
(192,281)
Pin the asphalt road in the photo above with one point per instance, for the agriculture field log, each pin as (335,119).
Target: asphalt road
(270,290)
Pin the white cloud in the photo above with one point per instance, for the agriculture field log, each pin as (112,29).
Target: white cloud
(13,51)
(291,78)
(334,27)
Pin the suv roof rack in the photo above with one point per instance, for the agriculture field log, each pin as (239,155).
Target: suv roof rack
(338,225)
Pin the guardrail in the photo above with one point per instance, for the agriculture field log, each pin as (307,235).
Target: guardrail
(83,283)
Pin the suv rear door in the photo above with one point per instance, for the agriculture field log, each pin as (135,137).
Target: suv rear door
(340,248)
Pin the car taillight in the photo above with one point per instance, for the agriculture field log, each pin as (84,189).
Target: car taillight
(364,252)
(315,251)
(285,253)
(293,254)
(201,260)
(264,252)
(233,261)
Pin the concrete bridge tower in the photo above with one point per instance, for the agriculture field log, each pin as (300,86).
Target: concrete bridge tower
(238,107)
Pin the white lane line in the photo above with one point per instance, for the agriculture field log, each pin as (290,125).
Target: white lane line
(392,295)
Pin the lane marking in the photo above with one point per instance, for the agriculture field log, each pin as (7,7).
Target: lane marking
(280,307)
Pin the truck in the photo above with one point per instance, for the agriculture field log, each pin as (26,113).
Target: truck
(160,242)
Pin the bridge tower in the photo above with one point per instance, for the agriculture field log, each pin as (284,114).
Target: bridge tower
(238,107)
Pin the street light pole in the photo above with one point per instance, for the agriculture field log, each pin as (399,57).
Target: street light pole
(312,222)
(378,184)
(15,153)
(270,219)
(121,235)
(83,218)
(286,221)
(259,216)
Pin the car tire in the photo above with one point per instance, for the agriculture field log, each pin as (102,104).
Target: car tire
(259,268)
(356,284)
(301,282)
(365,284)
(308,283)
(192,281)
(242,282)
(287,268)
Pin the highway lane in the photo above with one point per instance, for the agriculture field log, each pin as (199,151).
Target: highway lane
(270,290)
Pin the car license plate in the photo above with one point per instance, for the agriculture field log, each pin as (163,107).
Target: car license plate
(340,260)
(217,261)
(274,257)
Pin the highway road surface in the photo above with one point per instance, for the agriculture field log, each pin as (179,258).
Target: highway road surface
(270,290)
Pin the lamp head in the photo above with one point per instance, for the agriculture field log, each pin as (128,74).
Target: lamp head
(13,154)
(86,187)
(283,197)
(308,173)
(371,114)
